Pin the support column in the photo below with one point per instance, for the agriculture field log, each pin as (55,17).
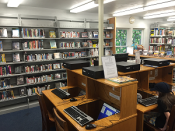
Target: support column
(100,29)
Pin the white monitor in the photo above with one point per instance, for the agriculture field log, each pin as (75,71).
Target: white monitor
(130,50)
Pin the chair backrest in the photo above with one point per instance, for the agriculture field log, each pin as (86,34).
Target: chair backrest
(44,112)
(171,121)
(36,91)
(60,124)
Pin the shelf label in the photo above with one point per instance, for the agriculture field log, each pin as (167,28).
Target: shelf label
(114,96)
(83,84)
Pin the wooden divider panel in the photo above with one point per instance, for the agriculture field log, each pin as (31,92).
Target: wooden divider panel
(128,100)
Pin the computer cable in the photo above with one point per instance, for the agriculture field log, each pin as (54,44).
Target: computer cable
(66,101)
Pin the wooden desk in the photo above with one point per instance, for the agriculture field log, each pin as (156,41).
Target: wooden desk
(164,74)
(95,90)
(143,56)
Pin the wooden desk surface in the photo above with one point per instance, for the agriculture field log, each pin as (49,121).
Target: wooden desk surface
(63,104)
(173,59)
(105,81)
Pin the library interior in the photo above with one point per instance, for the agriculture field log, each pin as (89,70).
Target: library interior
(78,65)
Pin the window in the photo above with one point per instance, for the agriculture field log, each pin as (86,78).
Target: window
(121,40)
(136,38)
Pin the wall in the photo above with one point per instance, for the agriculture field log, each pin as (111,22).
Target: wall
(60,14)
(122,22)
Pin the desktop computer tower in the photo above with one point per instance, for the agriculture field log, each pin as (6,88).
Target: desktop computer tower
(72,65)
(156,62)
(95,72)
(127,66)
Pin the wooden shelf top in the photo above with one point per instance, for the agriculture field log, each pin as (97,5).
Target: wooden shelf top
(105,81)
(173,59)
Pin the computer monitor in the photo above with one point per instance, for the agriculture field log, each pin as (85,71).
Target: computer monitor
(106,111)
(121,57)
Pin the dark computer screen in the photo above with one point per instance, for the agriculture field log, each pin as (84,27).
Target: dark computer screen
(121,57)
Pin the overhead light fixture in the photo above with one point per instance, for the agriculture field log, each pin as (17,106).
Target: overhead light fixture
(159,5)
(158,15)
(87,6)
(128,12)
(145,8)
(171,18)
(14,3)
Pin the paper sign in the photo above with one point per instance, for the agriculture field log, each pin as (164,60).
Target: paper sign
(137,57)
(109,66)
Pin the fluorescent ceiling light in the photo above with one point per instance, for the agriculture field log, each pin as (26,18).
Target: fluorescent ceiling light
(145,8)
(14,3)
(159,5)
(158,15)
(160,12)
(87,6)
(128,12)
(173,19)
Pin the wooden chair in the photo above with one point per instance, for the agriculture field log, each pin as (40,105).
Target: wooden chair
(47,118)
(170,126)
(60,124)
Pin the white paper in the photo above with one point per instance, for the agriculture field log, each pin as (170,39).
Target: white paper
(130,50)
(137,57)
(108,113)
(109,66)
(15,33)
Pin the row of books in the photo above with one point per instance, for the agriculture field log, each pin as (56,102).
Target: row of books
(157,40)
(161,48)
(162,32)
(5,70)
(33,33)
(89,34)
(156,31)
(6,95)
(167,54)
(39,79)
(41,68)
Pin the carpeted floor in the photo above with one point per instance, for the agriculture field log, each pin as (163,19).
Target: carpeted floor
(24,120)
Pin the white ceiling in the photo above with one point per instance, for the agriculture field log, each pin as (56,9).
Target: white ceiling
(109,8)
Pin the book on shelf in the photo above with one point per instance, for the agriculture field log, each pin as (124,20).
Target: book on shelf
(20,80)
(107,52)
(1,46)
(84,35)
(53,44)
(15,45)
(84,44)
(3,32)
(16,57)
(95,34)
(52,34)
(90,34)
(15,33)
(57,55)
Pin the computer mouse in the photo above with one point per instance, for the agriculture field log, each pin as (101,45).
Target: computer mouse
(90,126)
(73,99)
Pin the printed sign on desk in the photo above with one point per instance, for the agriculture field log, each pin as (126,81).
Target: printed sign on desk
(109,66)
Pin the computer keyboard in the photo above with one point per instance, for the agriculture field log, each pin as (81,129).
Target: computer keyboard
(148,101)
(61,93)
(79,116)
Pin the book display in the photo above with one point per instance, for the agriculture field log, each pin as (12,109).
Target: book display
(32,56)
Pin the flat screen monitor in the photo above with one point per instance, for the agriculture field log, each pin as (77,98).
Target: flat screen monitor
(106,111)
(121,57)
